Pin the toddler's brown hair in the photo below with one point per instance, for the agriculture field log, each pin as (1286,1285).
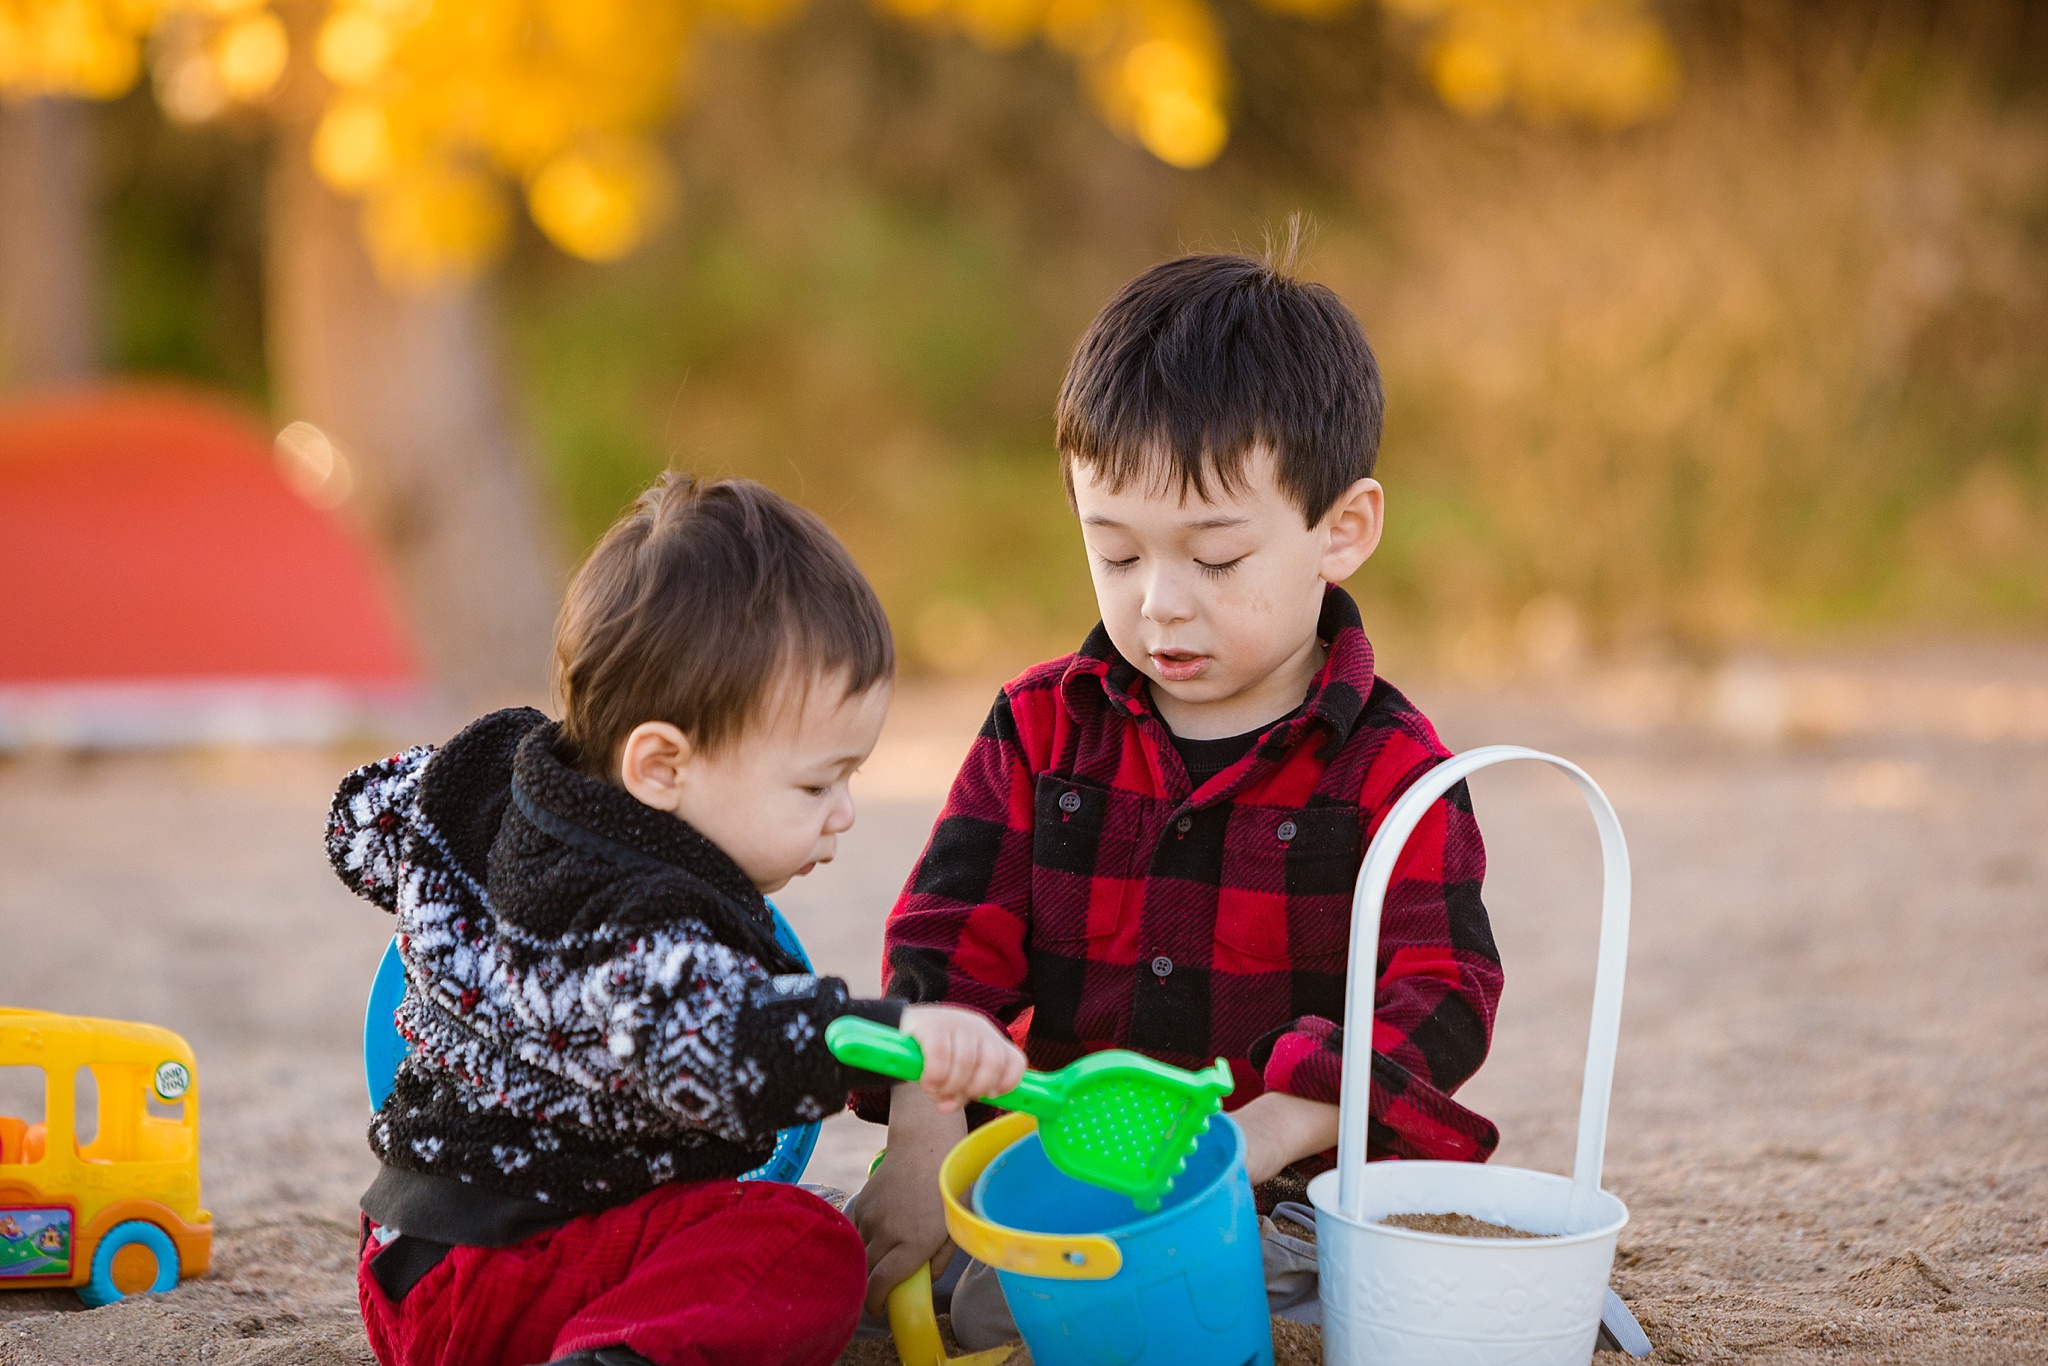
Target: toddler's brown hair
(702,607)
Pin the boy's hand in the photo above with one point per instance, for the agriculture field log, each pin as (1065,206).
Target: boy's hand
(899,1213)
(1279,1129)
(965,1056)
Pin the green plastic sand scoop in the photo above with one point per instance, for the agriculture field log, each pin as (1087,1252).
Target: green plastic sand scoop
(1117,1120)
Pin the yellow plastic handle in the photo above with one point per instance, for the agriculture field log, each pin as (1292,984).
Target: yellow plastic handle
(916,1328)
(912,1323)
(1052,1256)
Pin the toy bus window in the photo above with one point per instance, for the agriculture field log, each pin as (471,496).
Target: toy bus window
(22,1114)
(85,1106)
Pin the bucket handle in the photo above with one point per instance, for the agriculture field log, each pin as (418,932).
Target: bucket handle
(1373,877)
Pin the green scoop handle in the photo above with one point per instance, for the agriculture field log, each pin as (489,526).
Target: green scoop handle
(878,1048)
(1118,1119)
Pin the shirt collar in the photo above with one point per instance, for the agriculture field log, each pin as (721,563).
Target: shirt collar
(1336,695)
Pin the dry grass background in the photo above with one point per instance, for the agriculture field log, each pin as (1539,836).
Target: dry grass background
(1773,367)
(1778,363)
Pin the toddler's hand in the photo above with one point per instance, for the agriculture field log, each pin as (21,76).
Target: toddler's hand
(965,1057)
(899,1213)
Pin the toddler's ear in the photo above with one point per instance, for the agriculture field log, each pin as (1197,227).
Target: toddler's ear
(1353,525)
(651,763)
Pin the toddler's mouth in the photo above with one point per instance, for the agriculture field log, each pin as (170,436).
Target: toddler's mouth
(1179,666)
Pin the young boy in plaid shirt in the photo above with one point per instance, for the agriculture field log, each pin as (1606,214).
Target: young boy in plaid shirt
(1153,841)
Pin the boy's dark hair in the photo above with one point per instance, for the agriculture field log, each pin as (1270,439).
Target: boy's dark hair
(696,605)
(1203,358)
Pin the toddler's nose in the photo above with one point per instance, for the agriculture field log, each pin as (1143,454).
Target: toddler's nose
(839,821)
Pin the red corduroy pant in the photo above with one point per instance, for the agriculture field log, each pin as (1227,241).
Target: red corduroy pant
(752,1273)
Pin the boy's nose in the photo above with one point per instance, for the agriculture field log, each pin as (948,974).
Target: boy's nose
(1166,601)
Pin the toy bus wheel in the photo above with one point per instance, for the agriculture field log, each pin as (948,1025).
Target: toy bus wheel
(134,1258)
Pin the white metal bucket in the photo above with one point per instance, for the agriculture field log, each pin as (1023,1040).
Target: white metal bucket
(1395,1297)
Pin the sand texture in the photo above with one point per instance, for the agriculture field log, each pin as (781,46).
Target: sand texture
(1305,1232)
(1455,1225)
(1830,1116)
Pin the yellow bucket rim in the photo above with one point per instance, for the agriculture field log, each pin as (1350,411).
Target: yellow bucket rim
(1052,1256)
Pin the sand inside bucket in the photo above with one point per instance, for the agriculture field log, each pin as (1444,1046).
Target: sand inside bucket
(1457,1226)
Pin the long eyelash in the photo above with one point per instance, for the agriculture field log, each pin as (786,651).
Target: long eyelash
(1108,563)
(1217,571)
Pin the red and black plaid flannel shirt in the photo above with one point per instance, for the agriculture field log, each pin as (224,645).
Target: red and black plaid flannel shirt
(1074,875)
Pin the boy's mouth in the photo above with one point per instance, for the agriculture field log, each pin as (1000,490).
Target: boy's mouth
(1179,666)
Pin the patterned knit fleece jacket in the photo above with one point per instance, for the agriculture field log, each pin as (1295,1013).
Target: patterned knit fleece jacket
(594,996)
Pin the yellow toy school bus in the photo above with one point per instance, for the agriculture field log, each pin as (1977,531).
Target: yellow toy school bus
(117,1213)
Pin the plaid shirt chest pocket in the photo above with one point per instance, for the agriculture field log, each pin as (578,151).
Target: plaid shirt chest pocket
(1284,899)
(1088,857)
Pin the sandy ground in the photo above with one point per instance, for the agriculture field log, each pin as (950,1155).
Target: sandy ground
(1830,1117)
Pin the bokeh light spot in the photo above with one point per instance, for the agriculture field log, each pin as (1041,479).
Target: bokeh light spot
(250,54)
(352,146)
(600,205)
(353,47)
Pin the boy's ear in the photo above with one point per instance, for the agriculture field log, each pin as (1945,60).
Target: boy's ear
(653,764)
(1354,522)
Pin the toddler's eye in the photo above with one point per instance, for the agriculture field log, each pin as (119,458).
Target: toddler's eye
(816,791)
(1217,571)
(1108,563)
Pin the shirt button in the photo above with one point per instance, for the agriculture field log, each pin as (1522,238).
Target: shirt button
(1070,802)
(1162,966)
(1286,831)
(1184,824)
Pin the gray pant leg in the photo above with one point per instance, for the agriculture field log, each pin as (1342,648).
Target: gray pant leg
(981,1315)
(1292,1291)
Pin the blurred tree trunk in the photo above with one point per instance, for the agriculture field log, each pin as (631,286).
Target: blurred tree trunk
(406,385)
(49,307)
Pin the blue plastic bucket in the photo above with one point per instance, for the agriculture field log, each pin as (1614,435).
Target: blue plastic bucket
(1192,1289)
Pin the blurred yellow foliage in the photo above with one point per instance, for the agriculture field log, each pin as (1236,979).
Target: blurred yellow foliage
(599,201)
(352,146)
(436,99)
(436,102)
(90,48)
(428,222)
(1605,61)
(249,52)
(1155,69)
(208,53)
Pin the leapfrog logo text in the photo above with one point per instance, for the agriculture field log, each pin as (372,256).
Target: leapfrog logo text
(172,1080)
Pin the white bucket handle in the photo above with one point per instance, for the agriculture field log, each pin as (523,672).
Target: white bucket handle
(1373,877)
